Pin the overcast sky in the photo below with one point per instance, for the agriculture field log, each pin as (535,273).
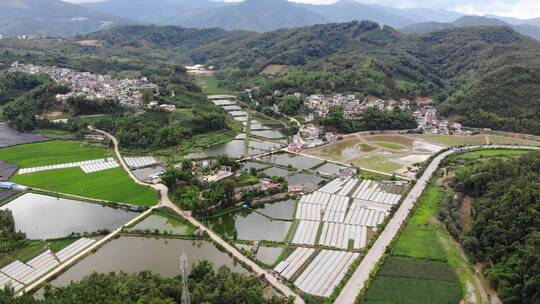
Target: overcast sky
(511,8)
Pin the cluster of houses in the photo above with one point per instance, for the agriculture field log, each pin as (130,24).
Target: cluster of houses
(428,123)
(128,92)
(352,106)
(20,37)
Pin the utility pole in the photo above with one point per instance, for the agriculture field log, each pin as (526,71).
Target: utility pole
(183,270)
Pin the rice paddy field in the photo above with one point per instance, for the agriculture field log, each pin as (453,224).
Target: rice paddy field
(51,153)
(110,185)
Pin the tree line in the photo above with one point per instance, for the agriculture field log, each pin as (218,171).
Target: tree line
(504,232)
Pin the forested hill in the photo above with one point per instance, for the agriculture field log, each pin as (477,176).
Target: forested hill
(486,75)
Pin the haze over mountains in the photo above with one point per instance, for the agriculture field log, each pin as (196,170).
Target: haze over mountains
(467,21)
(52,18)
(58,18)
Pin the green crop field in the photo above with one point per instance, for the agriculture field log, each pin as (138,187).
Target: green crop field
(395,290)
(490,153)
(404,267)
(209,85)
(420,242)
(425,265)
(111,185)
(51,153)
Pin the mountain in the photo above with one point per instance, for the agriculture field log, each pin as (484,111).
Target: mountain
(344,10)
(154,11)
(517,21)
(51,18)
(253,15)
(264,15)
(468,21)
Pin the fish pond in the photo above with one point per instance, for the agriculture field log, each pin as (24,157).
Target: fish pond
(250,225)
(135,254)
(47,217)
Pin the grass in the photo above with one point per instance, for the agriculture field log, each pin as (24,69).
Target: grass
(51,153)
(375,176)
(111,185)
(454,140)
(247,179)
(275,69)
(402,140)
(24,254)
(378,163)
(391,146)
(59,244)
(334,150)
(490,153)
(367,148)
(505,140)
(419,239)
(55,134)
(210,85)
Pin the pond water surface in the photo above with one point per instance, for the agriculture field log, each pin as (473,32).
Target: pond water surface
(47,217)
(267,255)
(296,161)
(160,223)
(135,254)
(280,210)
(250,226)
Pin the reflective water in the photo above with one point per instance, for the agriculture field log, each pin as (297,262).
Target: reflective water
(274,171)
(330,168)
(47,217)
(280,210)
(297,161)
(249,225)
(160,223)
(303,178)
(135,254)
(267,255)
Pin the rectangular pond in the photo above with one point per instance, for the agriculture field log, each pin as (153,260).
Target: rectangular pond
(162,223)
(248,225)
(47,217)
(296,161)
(136,254)
(267,255)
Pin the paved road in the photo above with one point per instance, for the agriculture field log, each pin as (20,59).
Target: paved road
(356,283)
(166,202)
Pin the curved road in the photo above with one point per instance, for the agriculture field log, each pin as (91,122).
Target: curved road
(166,202)
(356,283)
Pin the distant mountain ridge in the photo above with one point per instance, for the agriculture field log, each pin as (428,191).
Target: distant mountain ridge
(468,21)
(52,18)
